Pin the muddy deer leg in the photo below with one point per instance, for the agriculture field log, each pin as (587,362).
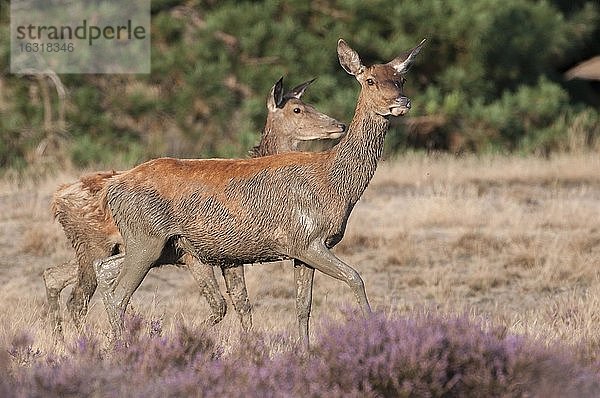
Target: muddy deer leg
(303,276)
(320,257)
(56,279)
(205,277)
(107,272)
(236,287)
(139,257)
(84,289)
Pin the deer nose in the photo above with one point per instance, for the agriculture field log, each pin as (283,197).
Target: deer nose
(342,126)
(404,101)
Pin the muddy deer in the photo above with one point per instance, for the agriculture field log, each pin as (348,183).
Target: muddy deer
(231,212)
(95,236)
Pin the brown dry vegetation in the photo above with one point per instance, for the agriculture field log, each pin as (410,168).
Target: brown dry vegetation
(510,241)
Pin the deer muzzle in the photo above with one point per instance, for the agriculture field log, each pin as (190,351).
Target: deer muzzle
(337,130)
(401,106)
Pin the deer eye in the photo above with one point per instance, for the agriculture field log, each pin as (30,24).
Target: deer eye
(370,82)
(296,110)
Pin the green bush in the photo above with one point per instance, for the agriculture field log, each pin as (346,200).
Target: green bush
(489,78)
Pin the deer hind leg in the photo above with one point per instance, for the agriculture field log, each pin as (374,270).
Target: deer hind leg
(236,287)
(205,277)
(107,271)
(56,279)
(82,293)
(320,257)
(303,276)
(138,260)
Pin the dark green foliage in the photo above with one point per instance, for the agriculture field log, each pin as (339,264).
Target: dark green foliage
(489,78)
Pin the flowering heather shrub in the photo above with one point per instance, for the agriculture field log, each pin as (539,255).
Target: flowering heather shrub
(429,356)
(142,359)
(21,349)
(378,356)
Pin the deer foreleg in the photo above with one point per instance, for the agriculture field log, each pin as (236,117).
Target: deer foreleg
(318,256)
(303,276)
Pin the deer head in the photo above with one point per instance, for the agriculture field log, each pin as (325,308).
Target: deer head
(302,121)
(382,85)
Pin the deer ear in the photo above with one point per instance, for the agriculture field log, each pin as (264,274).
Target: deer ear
(297,91)
(275,99)
(349,58)
(403,62)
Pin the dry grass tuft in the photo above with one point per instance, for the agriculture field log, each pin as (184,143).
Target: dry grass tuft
(477,244)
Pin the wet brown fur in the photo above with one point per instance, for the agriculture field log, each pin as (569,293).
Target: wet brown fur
(292,205)
(94,235)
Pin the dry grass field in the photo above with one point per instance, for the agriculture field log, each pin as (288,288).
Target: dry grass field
(513,242)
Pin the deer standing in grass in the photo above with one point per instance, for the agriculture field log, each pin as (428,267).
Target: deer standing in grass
(230,212)
(94,236)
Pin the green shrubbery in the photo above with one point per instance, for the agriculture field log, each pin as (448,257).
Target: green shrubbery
(490,78)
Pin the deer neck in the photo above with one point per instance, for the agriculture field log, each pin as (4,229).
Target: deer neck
(356,155)
(271,142)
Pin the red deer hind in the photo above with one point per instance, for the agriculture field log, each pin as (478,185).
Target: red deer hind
(230,212)
(94,236)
